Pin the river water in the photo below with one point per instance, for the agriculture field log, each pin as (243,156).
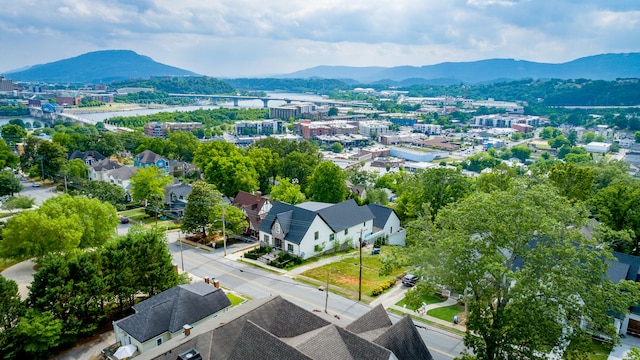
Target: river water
(101,116)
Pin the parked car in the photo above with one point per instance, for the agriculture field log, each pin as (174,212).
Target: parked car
(375,251)
(409,280)
(35,184)
(124,220)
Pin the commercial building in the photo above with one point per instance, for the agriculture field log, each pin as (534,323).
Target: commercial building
(374,128)
(264,127)
(5,84)
(598,147)
(429,129)
(162,129)
(294,111)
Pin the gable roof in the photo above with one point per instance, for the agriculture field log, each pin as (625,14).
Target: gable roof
(296,221)
(123,173)
(180,190)
(251,204)
(624,267)
(105,164)
(172,309)
(84,155)
(381,213)
(274,328)
(344,215)
(148,157)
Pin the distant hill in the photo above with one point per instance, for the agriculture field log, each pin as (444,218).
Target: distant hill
(598,67)
(99,66)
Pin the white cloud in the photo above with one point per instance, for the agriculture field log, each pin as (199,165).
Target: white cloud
(248,37)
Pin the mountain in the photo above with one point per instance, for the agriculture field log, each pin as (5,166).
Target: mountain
(99,66)
(597,67)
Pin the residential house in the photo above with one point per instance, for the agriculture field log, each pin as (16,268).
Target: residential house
(99,170)
(175,198)
(255,207)
(274,328)
(89,157)
(386,223)
(311,228)
(122,177)
(149,158)
(626,267)
(166,315)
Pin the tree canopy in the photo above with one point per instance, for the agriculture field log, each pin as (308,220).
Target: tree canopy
(327,183)
(528,275)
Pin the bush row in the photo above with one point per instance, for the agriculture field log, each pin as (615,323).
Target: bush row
(383,286)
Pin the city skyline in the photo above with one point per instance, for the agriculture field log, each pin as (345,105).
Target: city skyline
(249,38)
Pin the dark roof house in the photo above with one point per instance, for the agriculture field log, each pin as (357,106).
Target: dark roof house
(255,206)
(89,157)
(160,317)
(274,328)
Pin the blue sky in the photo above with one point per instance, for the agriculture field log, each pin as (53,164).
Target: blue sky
(258,37)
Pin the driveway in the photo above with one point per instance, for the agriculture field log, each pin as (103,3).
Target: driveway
(21,273)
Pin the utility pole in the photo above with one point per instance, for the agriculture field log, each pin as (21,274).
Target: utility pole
(326,289)
(360,277)
(224,234)
(181,257)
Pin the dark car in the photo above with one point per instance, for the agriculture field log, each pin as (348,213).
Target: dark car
(375,251)
(409,280)
(124,220)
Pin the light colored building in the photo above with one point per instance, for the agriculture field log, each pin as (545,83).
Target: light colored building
(430,129)
(264,127)
(598,147)
(374,128)
(163,129)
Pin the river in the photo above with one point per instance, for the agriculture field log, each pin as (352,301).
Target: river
(101,116)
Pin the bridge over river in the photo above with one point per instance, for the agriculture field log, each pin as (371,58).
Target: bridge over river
(265,100)
(52,114)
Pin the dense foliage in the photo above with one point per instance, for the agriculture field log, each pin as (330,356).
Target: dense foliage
(181,85)
(317,86)
(14,110)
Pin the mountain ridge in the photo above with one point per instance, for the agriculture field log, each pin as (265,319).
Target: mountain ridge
(596,67)
(98,66)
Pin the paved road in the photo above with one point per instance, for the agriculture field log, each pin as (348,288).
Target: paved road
(40,194)
(257,283)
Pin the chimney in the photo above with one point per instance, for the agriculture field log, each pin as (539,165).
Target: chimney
(206,280)
(187,329)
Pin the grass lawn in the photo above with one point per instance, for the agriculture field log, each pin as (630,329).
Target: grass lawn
(344,273)
(598,351)
(235,299)
(428,299)
(446,313)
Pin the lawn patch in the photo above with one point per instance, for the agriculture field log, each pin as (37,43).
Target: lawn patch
(446,313)
(427,299)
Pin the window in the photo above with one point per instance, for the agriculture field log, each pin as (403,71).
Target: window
(289,248)
(158,341)
(346,231)
(277,227)
(332,237)
(316,236)
(266,238)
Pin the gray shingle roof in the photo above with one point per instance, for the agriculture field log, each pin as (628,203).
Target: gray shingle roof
(337,216)
(274,328)
(345,215)
(148,157)
(173,308)
(404,341)
(299,222)
(381,213)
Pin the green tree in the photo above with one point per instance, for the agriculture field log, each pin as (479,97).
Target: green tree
(9,183)
(333,111)
(374,195)
(18,202)
(430,190)
(11,307)
(336,147)
(60,225)
(226,167)
(51,157)
(75,169)
(521,152)
(636,136)
(529,275)
(588,137)
(36,335)
(13,134)
(573,181)
(7,157)
(101,190)
(287,192)
(235,220)
(618,206)
(185,145)
(327,183)
(148,184)
(198,213)
(266,164)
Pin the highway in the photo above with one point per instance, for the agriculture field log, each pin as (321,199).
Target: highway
(257,283)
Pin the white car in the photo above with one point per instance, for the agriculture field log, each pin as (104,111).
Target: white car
(35,184)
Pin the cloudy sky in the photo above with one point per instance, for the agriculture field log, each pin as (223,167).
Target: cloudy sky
(257,37)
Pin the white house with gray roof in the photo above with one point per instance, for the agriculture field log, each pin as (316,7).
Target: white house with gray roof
(165,315)
(312,228)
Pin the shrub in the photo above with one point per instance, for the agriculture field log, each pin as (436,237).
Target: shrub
(257,252)
(318,247)
(377,291)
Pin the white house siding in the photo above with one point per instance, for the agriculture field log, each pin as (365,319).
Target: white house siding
(306,247)
(392,228)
